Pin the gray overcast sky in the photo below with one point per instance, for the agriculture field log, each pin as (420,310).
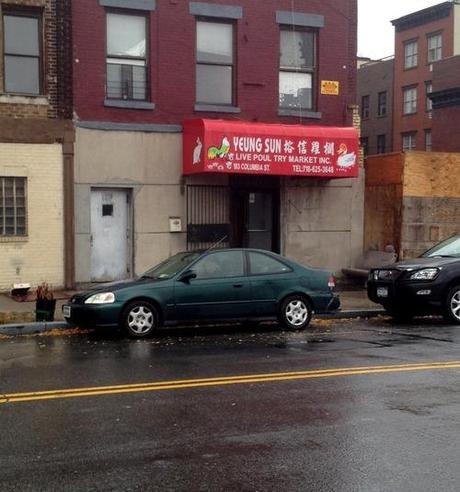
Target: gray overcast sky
(375,32)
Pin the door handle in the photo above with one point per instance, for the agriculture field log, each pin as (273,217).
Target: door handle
(237,286)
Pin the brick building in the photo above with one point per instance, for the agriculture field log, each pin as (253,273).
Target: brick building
(144,68)
(446,105)
(375,96)
(421,40)
(36,143)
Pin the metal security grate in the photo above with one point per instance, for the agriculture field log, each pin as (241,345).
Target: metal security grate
(208,216)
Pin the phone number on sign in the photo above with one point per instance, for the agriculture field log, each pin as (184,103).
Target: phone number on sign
(313,169)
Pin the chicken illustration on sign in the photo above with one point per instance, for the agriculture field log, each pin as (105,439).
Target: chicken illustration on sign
(221,152)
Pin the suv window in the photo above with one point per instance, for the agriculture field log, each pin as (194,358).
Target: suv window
(260,264)
(220,265)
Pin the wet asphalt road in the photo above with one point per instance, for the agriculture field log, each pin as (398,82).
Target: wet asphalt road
(396,431)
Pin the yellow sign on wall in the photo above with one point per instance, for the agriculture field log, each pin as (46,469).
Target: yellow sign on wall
(330,87)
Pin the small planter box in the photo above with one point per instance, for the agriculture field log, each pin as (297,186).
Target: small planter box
(44,309)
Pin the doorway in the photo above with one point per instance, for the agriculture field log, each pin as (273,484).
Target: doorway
(255,214)
(110,234)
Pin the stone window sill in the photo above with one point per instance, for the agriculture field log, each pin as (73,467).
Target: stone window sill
(25,100)
(118,103)
(14,239)
(216,108)
(298,113)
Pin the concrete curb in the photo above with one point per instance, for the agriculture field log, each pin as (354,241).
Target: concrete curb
(32,328)
(17,329)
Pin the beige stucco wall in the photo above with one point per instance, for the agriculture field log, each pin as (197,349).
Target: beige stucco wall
(39,256)
(149,164)
(322,221)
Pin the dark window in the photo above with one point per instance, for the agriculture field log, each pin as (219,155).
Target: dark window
(214,63)
(22,54)
(107,210)
(364,141)
(12,206)
(410,54)
(297,69)
(126,57)
(382,104)
(381,144)
(220,265)
(260,264)
(365,100)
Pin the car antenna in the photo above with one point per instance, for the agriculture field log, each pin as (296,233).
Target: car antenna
(216,243)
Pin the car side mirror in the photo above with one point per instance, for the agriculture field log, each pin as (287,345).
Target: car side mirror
(187,276)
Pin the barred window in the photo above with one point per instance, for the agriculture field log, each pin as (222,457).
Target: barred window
(13,206)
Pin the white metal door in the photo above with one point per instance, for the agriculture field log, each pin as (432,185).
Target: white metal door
(109,235)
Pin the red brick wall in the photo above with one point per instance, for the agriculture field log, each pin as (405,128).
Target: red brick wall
(172,62)
(446,77)
(419,121)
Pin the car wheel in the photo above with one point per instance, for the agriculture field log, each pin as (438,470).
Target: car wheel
(452,305)
(139,319)
(295,313)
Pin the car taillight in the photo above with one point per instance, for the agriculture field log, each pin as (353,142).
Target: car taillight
(331,282)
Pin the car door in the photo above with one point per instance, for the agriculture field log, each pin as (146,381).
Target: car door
(270,279)
(221,289)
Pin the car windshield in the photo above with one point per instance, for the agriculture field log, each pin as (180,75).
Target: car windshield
(171,266)
(449,248)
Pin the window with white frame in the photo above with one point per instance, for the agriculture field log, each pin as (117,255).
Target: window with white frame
(22,56)
(214,63)
(428,142)
(429,90)
(410,100)
(126,57)
(409,141)
(12,206)
(410,54)
(297,68)
(434,47)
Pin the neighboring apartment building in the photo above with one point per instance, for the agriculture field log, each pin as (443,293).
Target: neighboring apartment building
(36,143)
(422,39)
(375,97)
(149,182)
(446,105)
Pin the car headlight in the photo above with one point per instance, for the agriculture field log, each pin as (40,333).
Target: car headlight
(103,298)
(425,274)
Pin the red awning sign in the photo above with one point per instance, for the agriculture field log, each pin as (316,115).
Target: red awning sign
(221,146)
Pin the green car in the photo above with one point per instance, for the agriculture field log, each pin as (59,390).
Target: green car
(211,286)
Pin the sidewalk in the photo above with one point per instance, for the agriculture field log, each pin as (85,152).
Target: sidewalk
(12,311)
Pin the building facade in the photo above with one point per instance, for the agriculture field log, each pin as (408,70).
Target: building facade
(446,105)
(36,143)
(375,97)
(422,39)
(144,69)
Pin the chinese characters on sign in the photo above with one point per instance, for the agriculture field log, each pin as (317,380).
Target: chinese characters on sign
(254,148)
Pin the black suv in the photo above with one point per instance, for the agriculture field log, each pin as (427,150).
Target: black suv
(425,285)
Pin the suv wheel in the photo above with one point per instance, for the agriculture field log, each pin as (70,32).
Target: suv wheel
(452,305)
